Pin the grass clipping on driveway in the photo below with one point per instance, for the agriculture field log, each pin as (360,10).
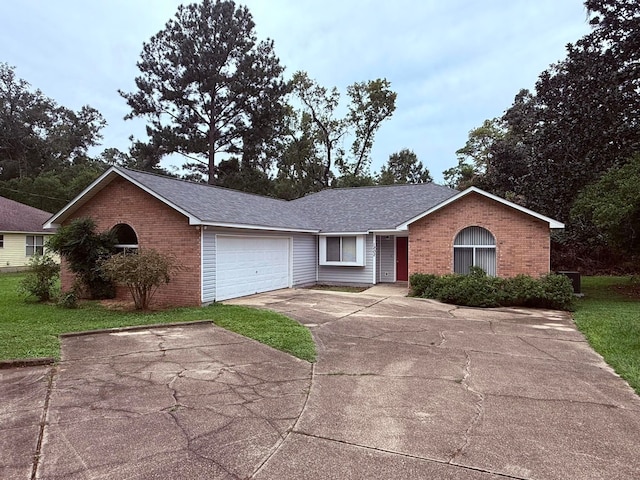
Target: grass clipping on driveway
(29,329)
(610,319)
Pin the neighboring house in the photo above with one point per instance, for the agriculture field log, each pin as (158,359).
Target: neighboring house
(21,234)
(234,244)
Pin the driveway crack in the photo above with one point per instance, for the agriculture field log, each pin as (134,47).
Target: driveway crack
(293,428)
(43,423)
(479,407)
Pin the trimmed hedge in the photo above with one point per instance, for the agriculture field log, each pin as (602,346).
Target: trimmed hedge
(477,289)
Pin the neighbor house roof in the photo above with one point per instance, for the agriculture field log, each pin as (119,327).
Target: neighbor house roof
(18,217)
(340,210)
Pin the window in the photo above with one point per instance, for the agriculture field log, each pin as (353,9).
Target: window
(35,245)
(346,250)
(126,238)
(1,241)
(474,246)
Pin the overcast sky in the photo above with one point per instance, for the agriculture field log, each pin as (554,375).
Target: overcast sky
(453,63)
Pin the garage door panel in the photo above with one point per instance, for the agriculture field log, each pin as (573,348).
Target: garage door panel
(248,265)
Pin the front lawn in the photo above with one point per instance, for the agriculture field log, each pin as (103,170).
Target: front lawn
(609,316)
(30,329)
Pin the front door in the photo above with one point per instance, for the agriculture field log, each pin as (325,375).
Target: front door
(402,259)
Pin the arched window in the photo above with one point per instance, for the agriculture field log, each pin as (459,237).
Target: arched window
(474,246)
(126,238)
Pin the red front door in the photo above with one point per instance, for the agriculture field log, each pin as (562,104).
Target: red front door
(402,259)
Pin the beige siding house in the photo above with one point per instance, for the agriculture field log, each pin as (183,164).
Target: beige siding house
(21,234)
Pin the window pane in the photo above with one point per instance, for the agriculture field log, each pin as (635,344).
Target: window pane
(1,241)
(486,259)
(462,260)
(333,249)
(348,249)
(29,250)
(474,236)
(39,241)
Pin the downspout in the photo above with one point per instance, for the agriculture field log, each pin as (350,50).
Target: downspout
(375,257)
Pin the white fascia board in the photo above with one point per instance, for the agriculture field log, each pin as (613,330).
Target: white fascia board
(390,231)
(553,224)
(341,234)
(251,227)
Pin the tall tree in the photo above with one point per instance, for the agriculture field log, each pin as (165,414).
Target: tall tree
(404,167)
(582,119)
(321,104)
(300,165)
(207,86)
(476,154)
(612,205)
(37,134)
(372,103)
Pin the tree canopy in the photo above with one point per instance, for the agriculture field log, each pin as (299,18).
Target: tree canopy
(404,167)
(37,134)
(208,86)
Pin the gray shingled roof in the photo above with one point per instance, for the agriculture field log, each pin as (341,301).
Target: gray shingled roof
(18,217)
(370,208)
(334,210)
(222,205)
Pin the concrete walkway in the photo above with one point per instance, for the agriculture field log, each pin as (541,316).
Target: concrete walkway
(403,389)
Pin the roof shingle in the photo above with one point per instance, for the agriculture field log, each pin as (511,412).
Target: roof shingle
(18,217)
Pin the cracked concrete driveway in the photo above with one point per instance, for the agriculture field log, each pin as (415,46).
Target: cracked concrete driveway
(403,388)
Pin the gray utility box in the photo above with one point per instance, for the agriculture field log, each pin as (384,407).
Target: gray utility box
(575,280)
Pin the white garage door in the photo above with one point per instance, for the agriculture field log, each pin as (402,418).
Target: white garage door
(248,265)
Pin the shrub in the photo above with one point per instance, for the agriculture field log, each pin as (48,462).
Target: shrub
(557,292)
(41,278)
(141,272)
(479,290)
(84,249)
(521,290)
(421,283)
(68,300)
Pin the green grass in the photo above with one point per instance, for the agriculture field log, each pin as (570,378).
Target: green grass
(611,323)
(30,329)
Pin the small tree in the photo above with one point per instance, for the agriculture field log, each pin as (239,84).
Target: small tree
(142,273)
(83,249)
(41,279)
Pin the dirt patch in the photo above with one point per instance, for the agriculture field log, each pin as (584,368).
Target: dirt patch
(631,290)
(338,288)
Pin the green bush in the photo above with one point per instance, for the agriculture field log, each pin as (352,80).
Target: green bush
(421,283)
(41,279)
(480,290)
(84,249)
(68,300)
(141,272)
(557,292)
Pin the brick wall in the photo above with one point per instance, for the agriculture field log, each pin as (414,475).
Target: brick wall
(157,226)
(522,241)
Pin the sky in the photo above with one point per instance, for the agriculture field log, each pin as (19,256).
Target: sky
(452,63)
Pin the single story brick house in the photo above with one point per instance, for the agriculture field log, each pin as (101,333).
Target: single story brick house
(234,244)
(21,234)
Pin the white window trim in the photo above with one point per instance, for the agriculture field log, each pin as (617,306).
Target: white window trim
(34,245)
(360,256)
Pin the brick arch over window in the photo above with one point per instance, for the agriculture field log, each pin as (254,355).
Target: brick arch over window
(126,238)
(474,246)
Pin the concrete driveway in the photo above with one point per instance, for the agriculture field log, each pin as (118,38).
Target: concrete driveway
(403,388)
